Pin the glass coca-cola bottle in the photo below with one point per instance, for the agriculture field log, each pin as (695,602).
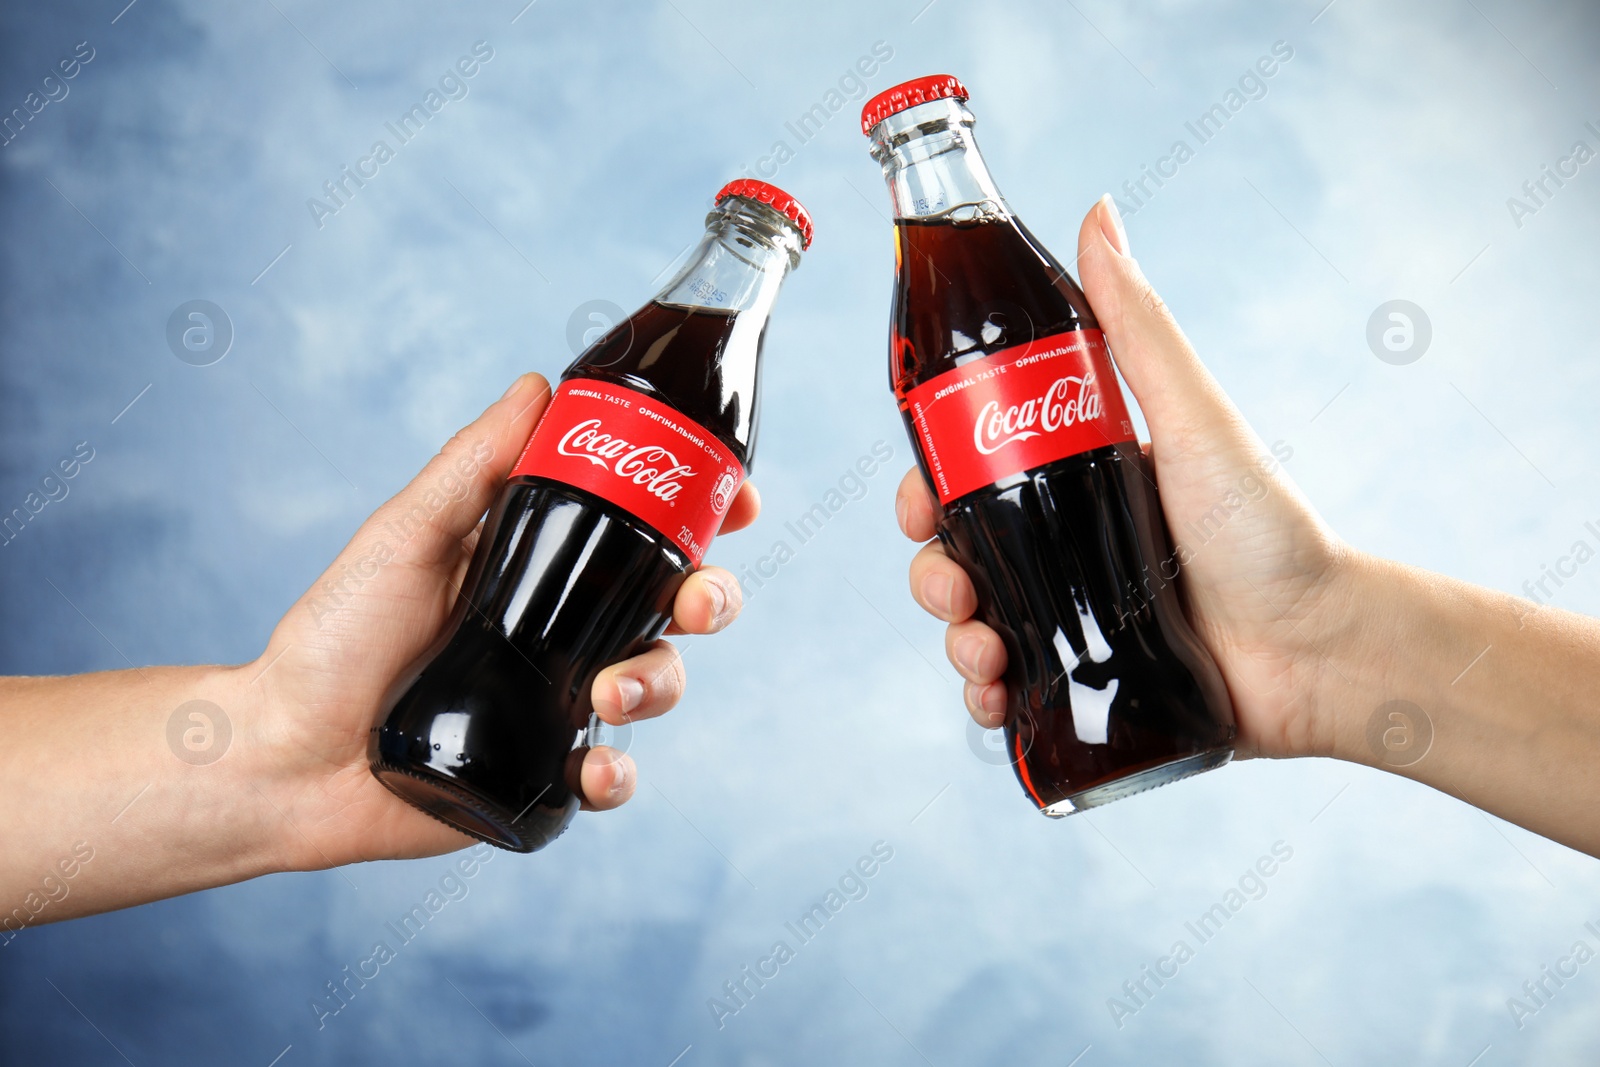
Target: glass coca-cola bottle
(615,499)
(1021,430)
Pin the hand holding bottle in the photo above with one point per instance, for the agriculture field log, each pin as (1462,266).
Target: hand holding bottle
(336,667)
(289,788)
(1319,643)
(1258,564)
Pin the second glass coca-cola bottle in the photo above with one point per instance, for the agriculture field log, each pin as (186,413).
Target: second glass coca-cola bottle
(613,503)
(1020,428)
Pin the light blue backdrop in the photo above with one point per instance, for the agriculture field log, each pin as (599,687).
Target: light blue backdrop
(1375,164)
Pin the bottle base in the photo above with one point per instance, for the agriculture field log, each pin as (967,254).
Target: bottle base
(1150,778)
(461,809)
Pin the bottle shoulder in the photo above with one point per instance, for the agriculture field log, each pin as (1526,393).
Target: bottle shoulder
(966,291)
(697,362)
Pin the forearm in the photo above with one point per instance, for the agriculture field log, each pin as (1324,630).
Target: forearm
(1507,691)
(113,803)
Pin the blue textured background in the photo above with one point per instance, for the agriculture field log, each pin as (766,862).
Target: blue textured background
(1377,166)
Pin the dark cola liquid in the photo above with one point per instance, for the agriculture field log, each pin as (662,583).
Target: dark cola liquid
(489,731)
(1072,560)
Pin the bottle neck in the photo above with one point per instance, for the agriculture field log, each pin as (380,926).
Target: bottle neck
(739,264)
(931,162)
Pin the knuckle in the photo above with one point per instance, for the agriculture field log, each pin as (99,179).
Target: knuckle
(667,677)
(1151,300)
(456,444)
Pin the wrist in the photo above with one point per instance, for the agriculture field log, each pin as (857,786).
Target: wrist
(1350,654)
(304,768)
(264,771)
(1385,629)
(1337,653)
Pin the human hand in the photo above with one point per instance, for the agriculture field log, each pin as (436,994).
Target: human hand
(321,682)
(1259,567)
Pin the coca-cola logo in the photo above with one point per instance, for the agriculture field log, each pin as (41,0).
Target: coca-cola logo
(1069,400)
(651,467)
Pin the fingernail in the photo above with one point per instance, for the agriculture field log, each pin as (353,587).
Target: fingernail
(619,777)
(997,717)
(630,692)
(1111,224)
(939,591)
(900,509)
(719,602)
(515,387)
(969,653)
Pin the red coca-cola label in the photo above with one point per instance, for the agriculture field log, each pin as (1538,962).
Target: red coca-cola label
(638,454)
(1017,409)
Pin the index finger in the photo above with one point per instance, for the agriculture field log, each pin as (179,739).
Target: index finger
(914,507)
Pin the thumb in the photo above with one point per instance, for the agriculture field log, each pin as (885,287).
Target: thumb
(1184,405)
(443,503)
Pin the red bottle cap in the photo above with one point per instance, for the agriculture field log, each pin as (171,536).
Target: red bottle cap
(909,94)
(772,197)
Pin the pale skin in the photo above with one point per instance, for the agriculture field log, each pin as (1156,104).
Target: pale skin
(1313,636)
(88,760)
